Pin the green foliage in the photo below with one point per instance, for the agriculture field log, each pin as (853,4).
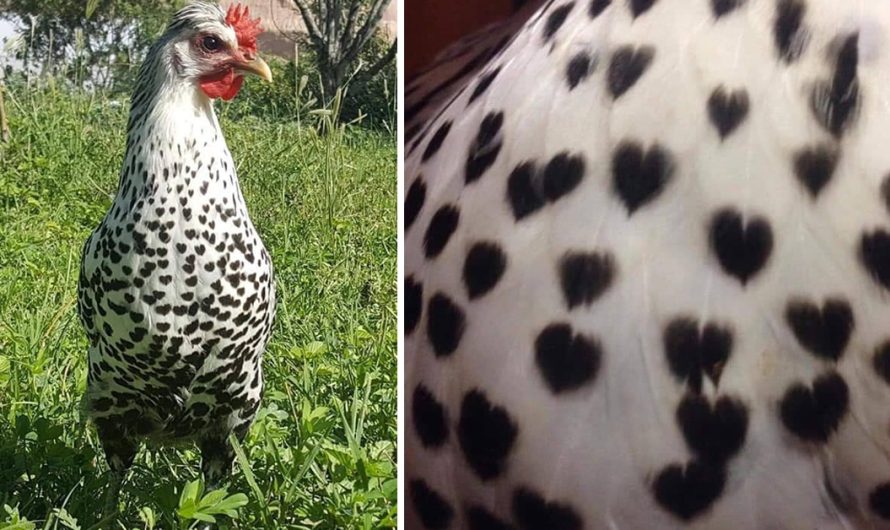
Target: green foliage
(193,506)
(297,91)
(288,98)
(13,521)
(100,44)
(340,35)
(99,41)
(321,453)
(374,99)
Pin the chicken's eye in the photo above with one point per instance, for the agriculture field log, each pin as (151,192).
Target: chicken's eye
(211,43)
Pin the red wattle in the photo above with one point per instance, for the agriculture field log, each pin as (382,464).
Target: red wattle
(224,84)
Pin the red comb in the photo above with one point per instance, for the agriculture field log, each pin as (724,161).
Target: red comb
(246,30)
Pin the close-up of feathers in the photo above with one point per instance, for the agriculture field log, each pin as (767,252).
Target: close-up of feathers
(647,269)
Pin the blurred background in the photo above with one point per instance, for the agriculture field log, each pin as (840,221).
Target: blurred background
(431,25)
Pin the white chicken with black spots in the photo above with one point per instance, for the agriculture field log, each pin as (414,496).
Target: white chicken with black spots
(176,291)
(647,269)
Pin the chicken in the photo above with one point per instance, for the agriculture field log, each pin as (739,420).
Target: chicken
(176,289)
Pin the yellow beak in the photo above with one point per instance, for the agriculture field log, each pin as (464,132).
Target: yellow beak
(257,67)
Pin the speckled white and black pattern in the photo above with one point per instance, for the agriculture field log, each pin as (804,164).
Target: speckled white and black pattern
(647,260)
(176,291)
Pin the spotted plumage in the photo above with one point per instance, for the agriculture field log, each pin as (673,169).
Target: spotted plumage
(176,292)
(647,251)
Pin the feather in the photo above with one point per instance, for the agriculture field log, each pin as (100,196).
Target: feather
(712,214)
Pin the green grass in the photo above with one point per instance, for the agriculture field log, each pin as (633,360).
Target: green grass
(322,451)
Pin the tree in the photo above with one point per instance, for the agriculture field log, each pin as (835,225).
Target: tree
(5,133)
(97,41)
(338,32)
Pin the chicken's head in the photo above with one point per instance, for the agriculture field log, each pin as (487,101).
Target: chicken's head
(216,49)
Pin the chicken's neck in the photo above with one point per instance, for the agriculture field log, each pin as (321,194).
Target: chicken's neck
(174,142)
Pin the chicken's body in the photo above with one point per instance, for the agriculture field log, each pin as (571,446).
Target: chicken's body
(176,291)
(648,260)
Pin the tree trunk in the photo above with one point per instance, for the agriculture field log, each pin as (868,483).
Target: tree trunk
(331,79)
(5,133)
(338,34)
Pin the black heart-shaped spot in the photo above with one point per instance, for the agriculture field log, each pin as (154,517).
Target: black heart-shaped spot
(522,194)
(485,149)
(414,201)
(637,176)
(434,511)
(742,249)
(626,67)
(824,332)
(413,303)
(444,325)
(885,192)
(879,500)
(436,141)
(692,350)
(881,361)
(430,419)
(722,7)
(483,84)
(715,433)
(555,20)
(689,491)
(874,252)
(439,232)
(486,433)
(533,512)
(835,102)
(814,167)
(584,276)
(483,268)
(789,33)
(478,518)
(562,174)
(528,189)
(566,361)
(638,7)
(597,7)
(813,414)
(581,65)
(727,110)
